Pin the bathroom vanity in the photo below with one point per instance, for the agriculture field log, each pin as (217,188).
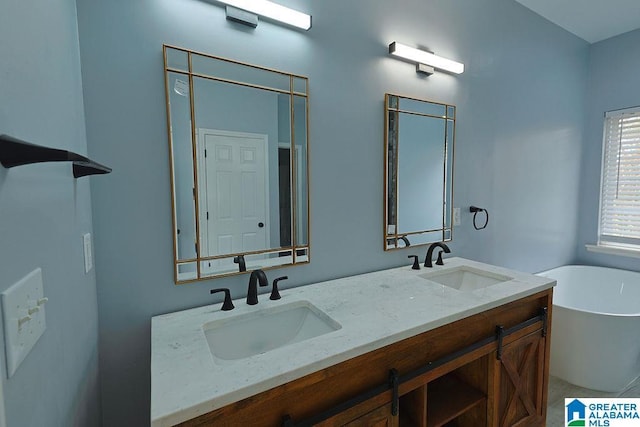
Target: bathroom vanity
(461,344)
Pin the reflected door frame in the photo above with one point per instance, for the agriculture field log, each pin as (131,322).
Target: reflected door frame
(298,174)
(212,267)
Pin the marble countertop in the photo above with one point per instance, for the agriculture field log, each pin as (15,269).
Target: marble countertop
(374,309)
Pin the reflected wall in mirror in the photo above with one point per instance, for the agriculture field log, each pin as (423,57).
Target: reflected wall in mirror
(418,187)
(238,144)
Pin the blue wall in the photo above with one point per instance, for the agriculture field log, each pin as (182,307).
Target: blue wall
(518,147)
(614,67)
(44,212)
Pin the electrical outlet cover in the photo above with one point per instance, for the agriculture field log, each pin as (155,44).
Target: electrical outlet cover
(24,318)
(456,216)
(88,255)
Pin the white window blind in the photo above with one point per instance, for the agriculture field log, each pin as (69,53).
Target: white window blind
(620,187)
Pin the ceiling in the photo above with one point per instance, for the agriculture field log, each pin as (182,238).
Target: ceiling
(591,20)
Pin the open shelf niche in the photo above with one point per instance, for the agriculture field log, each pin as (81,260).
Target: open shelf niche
(456,399)
(15,152)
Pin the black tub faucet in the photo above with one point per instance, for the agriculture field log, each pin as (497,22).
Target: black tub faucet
(257,276)
(427,260)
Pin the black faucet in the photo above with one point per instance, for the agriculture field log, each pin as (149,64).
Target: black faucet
(427,260)
(242,266)
(393,240)
(227,304)
(257,276)
(416,263)
(275,294)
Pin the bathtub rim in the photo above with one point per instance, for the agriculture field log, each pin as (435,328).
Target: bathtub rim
(599,313)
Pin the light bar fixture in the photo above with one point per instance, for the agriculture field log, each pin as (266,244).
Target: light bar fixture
(426,61)
(271,10)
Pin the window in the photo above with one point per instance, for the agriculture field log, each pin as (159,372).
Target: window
(619,224)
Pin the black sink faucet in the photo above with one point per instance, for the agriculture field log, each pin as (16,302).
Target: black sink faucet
(242,266)
(257,276)
(427,260)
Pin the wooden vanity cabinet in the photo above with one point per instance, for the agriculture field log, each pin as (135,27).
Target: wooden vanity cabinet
(496,383)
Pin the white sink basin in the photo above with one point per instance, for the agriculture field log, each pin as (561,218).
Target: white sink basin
(264,330)
(465,278)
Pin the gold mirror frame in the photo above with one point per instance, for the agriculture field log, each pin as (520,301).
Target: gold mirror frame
(395,237)
(298,252)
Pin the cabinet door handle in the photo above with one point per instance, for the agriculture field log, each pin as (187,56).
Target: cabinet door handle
(287,421)
(500,335)
(395,395)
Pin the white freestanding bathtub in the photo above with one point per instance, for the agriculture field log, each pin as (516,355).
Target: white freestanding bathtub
(595,332)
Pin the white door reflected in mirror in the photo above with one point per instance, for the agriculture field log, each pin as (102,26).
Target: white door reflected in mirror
(233,193)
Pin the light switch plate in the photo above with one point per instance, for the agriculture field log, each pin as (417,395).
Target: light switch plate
(88,255)
(456,216)
(24,318)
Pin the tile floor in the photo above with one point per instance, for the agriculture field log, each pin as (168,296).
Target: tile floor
(559,389)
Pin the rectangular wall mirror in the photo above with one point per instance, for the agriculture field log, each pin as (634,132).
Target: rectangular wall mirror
(418,186)
(238,140)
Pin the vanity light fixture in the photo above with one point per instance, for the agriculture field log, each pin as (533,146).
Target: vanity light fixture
(426,62)
(265,9)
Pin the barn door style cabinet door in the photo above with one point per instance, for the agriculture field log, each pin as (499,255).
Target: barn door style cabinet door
(519,377)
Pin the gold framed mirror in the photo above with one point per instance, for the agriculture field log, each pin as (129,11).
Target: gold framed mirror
(418,179)
(238,144)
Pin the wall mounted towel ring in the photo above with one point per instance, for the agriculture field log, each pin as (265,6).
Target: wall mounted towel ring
(475,211)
